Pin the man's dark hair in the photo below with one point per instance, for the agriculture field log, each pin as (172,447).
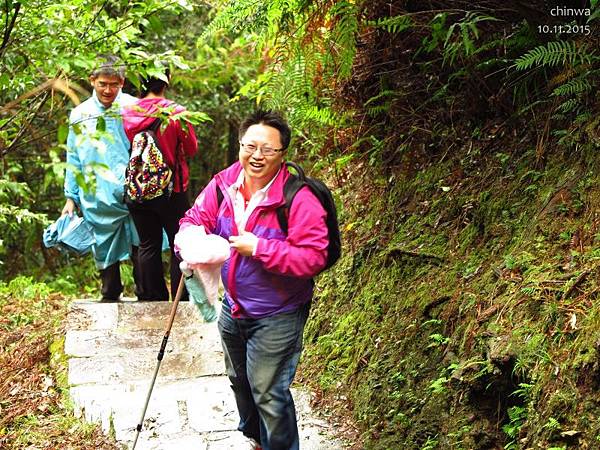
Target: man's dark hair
(269,118)
(109,65)
(154,85)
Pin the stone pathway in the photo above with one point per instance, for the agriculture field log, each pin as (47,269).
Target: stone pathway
(112,350)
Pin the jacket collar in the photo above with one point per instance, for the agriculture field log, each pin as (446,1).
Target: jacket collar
(114,103)
(275,196)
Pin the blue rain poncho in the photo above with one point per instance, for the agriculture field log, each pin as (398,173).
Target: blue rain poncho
(103,209)
(71,234)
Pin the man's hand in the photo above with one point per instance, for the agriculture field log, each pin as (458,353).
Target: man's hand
(69,208)
(245,243)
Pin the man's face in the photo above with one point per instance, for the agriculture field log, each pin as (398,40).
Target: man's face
(260,168)
(107,87)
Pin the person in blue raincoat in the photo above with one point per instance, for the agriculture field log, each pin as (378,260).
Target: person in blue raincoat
(97,143)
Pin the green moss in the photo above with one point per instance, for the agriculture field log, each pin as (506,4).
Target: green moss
(432,324)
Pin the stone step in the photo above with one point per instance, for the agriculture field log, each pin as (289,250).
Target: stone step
(130,315)
(90,343)
(113,348)
(186,414)
(198,405)
(140,365)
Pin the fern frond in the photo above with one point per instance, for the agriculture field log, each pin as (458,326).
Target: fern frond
(289,84)
(583,118)
(345,16)
(322,116)
(374,111)
(569,105)
(553,54)
(573,87)
(265,18)
(394,25)
(383,94)
(233,16)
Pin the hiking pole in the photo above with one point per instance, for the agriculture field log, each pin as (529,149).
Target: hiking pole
(159,358)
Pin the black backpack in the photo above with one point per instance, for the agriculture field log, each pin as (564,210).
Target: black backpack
(293,184)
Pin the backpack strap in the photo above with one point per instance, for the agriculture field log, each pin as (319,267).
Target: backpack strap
(178,169)
(219,195)
(291,187)
(178,165)
(154,126)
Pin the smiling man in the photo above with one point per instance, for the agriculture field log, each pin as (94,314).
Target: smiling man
(97,144)
(267,279)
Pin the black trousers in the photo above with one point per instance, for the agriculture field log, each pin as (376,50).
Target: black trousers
(111,278)
(150,218)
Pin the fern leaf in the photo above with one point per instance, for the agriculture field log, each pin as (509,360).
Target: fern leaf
(232,17)
(573,87)
(554,53)
(569,105)
(374,111)
(345,15)
(383,94)
(394,25)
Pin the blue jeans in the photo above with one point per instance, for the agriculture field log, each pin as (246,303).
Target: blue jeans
(261,356)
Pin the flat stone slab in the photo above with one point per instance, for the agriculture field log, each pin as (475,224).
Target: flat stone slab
(86,343)
(130,315)
(112,350)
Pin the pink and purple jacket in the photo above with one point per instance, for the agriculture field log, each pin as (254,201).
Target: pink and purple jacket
(278,277)
(174,140)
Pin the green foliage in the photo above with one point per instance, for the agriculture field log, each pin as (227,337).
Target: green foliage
(46,59)
(49,49)
(374,109)
(343,37)
(20,224)
(430,444)
(301,57)
(578,78)
(555,53)
(395,24)
(437,340)
(24,290)
(573,87)
(517,416)
(241,15)
(462,35)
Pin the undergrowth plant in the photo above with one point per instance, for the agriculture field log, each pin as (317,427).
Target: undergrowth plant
(34,393)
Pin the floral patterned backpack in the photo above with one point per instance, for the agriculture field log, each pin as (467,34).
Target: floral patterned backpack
(147,176)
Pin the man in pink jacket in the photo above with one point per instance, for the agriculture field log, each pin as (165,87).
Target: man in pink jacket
(268,277)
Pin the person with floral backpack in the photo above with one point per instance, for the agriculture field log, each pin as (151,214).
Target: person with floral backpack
(159,197)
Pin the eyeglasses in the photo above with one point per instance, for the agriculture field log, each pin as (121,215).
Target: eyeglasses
(264,150)
(111,86)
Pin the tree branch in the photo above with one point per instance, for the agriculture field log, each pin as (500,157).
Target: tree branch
(9,27)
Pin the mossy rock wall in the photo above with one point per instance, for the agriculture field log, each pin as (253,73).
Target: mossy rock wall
(464,311)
